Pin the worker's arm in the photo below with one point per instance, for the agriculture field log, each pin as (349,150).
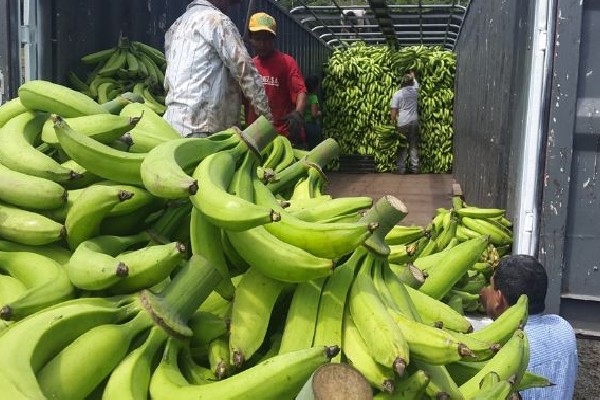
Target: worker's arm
(301,102)
(393,116)
(228,43)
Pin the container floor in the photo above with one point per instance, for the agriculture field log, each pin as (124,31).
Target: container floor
(422,193)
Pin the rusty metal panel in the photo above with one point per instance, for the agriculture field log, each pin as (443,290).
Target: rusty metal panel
(9,50)
(491,66)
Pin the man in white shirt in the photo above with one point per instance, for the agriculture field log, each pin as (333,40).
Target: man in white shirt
(208,70)
(404,115)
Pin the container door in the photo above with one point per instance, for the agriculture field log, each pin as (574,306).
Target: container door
(581,282)
(10,75)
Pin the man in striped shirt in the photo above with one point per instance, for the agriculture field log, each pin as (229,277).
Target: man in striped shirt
(208,71)
(553,348)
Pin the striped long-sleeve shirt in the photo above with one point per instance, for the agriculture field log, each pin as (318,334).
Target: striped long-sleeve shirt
(207,65)
(553,355)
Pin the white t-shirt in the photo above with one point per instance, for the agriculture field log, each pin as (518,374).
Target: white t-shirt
(405,101)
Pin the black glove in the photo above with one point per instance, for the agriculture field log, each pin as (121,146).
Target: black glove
(294,122)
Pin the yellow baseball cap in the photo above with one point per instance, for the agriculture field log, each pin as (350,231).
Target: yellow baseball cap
(262,22)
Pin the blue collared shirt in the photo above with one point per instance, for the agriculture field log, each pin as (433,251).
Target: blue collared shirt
(553,355)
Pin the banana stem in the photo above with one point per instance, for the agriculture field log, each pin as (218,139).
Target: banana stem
(387,211)
(172,308)
(259,134)
(191,286)
(318,157)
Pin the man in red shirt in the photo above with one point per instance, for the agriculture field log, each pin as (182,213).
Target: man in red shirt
(282,79)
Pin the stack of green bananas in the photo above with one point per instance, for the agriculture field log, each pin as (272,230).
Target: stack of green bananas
(386,138)
(216,268)
(131,66)
(424,248)
(358,86)
(106,254)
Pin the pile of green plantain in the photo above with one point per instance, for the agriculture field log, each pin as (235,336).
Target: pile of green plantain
(358,87)
(131,66)
(219,268)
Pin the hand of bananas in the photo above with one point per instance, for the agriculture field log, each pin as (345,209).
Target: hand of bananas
(119,269)
(131,66)
(358,87)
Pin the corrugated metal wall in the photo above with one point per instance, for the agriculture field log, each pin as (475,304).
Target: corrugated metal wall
(570,229)
(72,29)
(491,67)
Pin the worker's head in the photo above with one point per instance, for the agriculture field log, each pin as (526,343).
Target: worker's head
(263,30)
(312,83)
(407,80)
(514,276)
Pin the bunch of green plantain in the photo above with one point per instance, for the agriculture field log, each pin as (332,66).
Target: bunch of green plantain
(131,66)
(358,87)
(418,252)
(219,268)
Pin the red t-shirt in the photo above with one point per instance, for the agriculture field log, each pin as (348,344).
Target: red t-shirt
(283,82)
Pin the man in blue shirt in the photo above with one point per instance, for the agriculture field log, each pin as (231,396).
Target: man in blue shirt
(553,349)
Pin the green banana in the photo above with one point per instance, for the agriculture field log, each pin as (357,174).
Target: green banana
(333,299)
(18,154)
(254,300)
(78,368)
(205,239)
(277,259)
(30,343)
(55,252)
(331,240)
(104,128)
(131,378)
(227,211)
(302,317)
(498,234)
(94,266)
(93,204)
(206,326)
(163,169)
(45,280)
(57,99)
(98,158)
(457,260)
(411,388)
(433,311)
(502,329)
(358,354)
(401,234)
(11,109)
(148,266)
(30,192)
(384,338)
(327,208)
(476,212)
(151,130)
(281,376)
(27,227)
(218,357)
(507,362)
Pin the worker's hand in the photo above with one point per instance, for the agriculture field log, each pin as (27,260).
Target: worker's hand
(294,122)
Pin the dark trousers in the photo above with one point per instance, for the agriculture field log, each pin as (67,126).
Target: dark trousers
(411,151)
(313,134)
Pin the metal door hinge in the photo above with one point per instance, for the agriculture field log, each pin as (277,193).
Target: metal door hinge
(27,34)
